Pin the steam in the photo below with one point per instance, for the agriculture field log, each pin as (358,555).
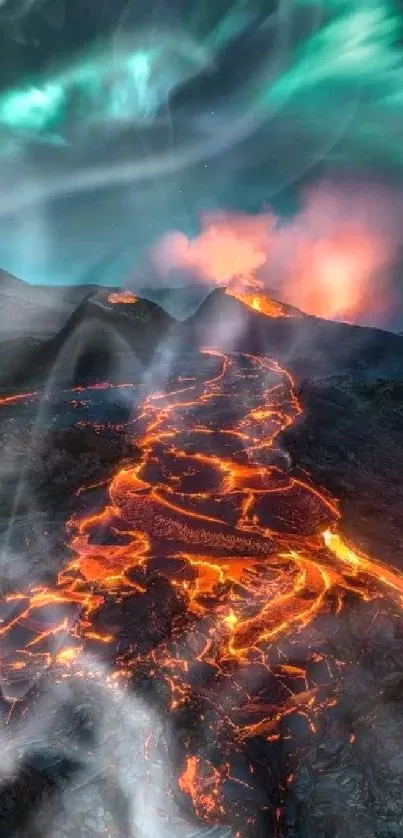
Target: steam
(333,259)
(119,775)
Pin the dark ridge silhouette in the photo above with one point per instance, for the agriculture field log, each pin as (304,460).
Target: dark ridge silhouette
(101,339)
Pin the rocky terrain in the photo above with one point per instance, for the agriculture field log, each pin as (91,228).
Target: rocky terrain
(350,440)
(42,471)
(339,780)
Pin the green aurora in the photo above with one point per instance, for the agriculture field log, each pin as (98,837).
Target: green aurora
(326,74)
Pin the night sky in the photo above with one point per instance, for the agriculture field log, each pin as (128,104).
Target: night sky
(122,120)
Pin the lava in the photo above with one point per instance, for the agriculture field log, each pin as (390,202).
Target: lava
(27,398)
(121,297)
(18,397)
(251,550)
(202,782)
(261,302)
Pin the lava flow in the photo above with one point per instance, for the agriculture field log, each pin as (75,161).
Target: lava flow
(261,302)
(250,557)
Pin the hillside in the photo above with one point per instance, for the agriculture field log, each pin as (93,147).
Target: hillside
(40,324)
(99,339)
(309,346)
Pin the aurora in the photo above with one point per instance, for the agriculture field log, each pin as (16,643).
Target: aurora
(309,52)
(314,81)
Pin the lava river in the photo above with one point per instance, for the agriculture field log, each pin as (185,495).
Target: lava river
(248,548)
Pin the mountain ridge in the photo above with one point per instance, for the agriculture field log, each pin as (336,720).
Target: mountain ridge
(309,346)
(104,334)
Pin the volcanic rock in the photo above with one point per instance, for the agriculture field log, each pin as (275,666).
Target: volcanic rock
(140,622)
(40,479)
(350,439)
(57,463)
(40,779)
(30,310)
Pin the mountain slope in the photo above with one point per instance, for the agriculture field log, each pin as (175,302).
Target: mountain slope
(309,346)
(100,339)
(28,309)
(106,334)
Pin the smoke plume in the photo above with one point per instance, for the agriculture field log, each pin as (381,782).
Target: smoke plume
(333,258)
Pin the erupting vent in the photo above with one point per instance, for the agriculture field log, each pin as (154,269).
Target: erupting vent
(260,302)
(117,297)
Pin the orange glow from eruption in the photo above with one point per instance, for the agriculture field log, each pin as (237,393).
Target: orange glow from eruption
(260,302)
(330,260)
(117,297)
(333,276)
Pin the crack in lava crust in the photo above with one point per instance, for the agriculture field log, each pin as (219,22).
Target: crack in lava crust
(250,550)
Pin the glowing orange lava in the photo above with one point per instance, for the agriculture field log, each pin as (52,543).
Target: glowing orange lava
(260,302)
(117,297)
(251,549)
(18,397)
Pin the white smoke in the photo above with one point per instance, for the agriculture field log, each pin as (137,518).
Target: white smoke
(123,787)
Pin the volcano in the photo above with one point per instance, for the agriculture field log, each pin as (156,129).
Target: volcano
(309,346)
(228,569)
(97,339)
(104,331)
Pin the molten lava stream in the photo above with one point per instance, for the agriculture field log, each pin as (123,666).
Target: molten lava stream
(251,553)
